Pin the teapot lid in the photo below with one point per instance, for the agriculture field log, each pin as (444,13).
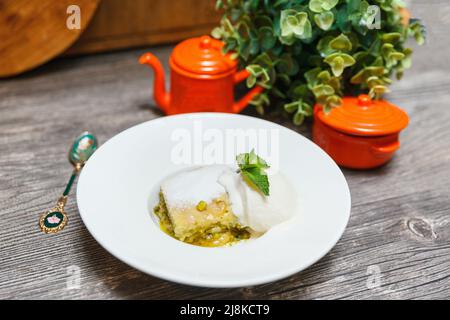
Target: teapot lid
(203,55)
(365,117)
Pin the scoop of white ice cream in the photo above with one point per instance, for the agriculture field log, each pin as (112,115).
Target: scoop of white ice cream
(255,210)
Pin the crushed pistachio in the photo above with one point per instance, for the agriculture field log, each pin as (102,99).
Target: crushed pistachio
(201,206)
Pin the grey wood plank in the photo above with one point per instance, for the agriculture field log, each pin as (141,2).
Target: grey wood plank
(399,226)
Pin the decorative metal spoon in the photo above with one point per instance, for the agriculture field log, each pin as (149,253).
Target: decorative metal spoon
(83,147)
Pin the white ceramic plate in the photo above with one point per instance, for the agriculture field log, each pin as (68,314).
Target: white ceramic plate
(119,185)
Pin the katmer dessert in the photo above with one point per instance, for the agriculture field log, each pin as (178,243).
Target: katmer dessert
(219,205)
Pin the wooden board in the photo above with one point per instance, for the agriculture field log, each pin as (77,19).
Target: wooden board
(122,23)
(34,31)
(398,233)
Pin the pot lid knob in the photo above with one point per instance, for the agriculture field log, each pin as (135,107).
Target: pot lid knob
(364,100)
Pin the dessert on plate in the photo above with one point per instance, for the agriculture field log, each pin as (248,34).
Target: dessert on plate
(219,205)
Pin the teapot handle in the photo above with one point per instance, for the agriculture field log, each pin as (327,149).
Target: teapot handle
(244,101)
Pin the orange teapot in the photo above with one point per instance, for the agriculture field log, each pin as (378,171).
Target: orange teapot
(202,78)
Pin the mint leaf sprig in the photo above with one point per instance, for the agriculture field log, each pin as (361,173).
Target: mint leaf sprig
(252,168)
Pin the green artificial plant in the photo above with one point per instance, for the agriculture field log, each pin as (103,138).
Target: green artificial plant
(316,51)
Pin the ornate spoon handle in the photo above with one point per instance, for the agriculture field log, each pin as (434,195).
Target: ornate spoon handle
(55,219)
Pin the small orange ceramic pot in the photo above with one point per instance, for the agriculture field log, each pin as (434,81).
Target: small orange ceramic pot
(202,78)
(361,133)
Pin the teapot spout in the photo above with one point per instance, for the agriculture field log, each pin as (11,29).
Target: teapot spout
(162,97)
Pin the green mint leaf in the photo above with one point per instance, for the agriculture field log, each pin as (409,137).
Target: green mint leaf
(256,179)
(251,160)
(252,168)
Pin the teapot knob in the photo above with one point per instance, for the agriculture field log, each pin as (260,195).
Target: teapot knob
(205,42)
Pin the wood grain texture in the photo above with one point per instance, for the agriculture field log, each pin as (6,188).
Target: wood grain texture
(399,226)
(34,31)
(124,24)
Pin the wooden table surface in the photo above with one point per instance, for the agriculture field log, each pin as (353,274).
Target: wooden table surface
(396,246)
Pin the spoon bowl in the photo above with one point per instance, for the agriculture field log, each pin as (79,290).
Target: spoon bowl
(82,148)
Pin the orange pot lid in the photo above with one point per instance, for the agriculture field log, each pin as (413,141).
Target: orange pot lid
(202,55)
(365,117)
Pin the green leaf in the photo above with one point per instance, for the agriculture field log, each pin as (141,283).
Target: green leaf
(263,21)
(337,66)
(323,90)
(287,22)
(333,101)
(257,180)
(407,61)
(324,20)
(251,160)
(315,6)
(319,6)
(307,110)
(366,73)
(257,73)
(259,101)
(391,37)
(374,81)
(386,49)
(294,24)
(252,168)
(338,62)
(347,59)
(377,91)
(417,29)
(290,26)
(329,4)
(323,46)
(396,55)
(303,29)
(264,60)
(291,107)
(267,38)
(358,77)
(217,32)
(342,20)
(375,71)
(299,91)
(251,81)
(335,82)
(287,65)
(298,118)
(324,76)
(341,43)
(254,46)
(307,30)
(311,76)
(254,69)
